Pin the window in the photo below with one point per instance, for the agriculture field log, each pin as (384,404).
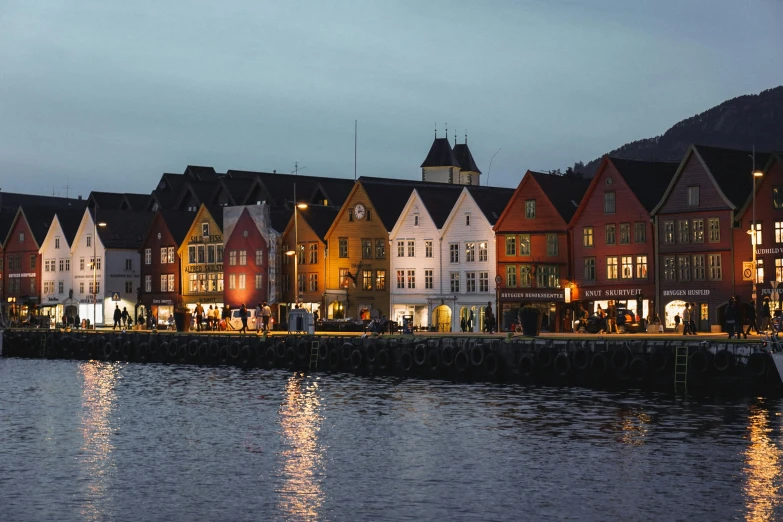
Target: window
(128,287)
(163,256)
(641,267)
(470,252)
(428,249)
(400,279)
(525,276)
(60,287)
(704,312)
(205,229)
(81,285)
(587,236)
(530,209)
(300,279)
(312,282)
(551,245)
(483,251)
(626,267)
(684,268)
(192,254)
(259,282)
(369,214)
(285,283)
(286,258)
(759,271)
(380,249)
(699,270)
(81,263)
(777,197)
(683,233)
(260,257)
(714,224)
(170,254)
(343,277)
(778,231)
(548,276)
(470,282)
(400,248)
(589,269)
(243,257)
(129,264)
(411,279)
(57,243)
(366,248)
(147,284)
(380,279)
(313,250)
(415,220)
(778,268)
(411,248)
(511,245)
(511,276)
(350,215)
(611,267)
(524,244)
(609,234)
(693,196)
(625,233)
(232,258)
(89,240)
(467,220)
(453,253)
(639,233)
(715,267)
(428,279)
(300,254)
(757,227)
(342,247)
(668,232)
(219,253)
(164,282)
(32,262)
(698,230)
(201,254)
(171,282)
(608,202)
(454,282)
(483,281)
(232,282)
(366,279)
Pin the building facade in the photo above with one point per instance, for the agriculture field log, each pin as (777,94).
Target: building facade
(201,260)
(23,269)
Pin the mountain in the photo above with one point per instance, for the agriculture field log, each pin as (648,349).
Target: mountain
(739,123)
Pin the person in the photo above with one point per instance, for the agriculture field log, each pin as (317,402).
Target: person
(243,318)
(677,322)
(611,313)
(686,319)
(117,316)
(227,316)
(208,317)
(489,319)
(140,321)
(582,320)
(599,312)
(315,319)
(199,316)
(259,323)
(730,316)
(215,318)
(741,318)
(77,322)
(766,316)
(124,316)
(463,324)
(693,319)
(751,311)
(470,321)
(545,322)
(266,314)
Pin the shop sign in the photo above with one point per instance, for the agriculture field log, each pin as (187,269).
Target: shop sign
(162,302)
(768,251)
(611,292)
(206,239)
(685,293)
(22,274)
(555,294)
(204,268)
(52,299)
(193,299)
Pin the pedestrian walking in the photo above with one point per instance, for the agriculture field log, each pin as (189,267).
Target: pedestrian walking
(266,314)
(489,319)
(124,317)
(730,316)
(686,319)
(199,316)
(751,315)
(243,317)
(117,317)
(677,322)
(259,323)
(766,315)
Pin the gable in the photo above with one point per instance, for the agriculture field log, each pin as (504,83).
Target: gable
(546,215)
(608,179)
(693,173)
(195,233)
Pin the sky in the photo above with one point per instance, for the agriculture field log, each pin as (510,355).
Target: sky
(108,95)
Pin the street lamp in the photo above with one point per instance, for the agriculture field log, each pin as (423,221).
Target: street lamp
(294,252)
(498,281)
(753,229)
(94,267)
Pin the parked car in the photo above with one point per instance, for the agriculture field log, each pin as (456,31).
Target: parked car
(627,321)
(236,321)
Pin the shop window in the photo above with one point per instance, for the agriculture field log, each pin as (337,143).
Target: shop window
(704,312)
(611,267)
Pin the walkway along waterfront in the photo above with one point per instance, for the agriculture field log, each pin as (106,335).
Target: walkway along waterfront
(731,366)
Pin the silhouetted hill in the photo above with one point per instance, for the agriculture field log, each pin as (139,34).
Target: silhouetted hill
(736,124)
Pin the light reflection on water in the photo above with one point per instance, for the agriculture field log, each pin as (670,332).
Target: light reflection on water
(97,441)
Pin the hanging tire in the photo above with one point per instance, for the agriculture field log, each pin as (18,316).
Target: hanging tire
(245,355)
(357,358)
(371,352)
(433,360)
(126,350)
(107,351)
(172,351)
(203,352)
(334,359)
(270,355)
(420,354)
(382,359)
(301,350)
(638,368)
(581,359)
(290,356)
(561,364)
(461,361)
(723,360)
(699,362)
(757,364)
(234,350)
(323,351)
(280,350)
(91,349)
(527,365)
(223,356)
(346,352)
(214,350)
(599,364)
(477,355)
(491,365)
(406,361)
(193,349)
(544,357)
(141,351)
(621,358)
(659,359)
(182,354)
(447,356)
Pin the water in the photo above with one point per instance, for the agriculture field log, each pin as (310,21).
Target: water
(109,441)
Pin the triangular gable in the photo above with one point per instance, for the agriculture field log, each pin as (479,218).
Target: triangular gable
(195,228)
(19,215)
(414,197)
(452,215)
(54,228)
(343,209)
(87,221)
(525,180)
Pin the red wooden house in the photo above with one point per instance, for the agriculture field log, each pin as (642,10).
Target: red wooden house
(533,247)
(613,236)
(695,240)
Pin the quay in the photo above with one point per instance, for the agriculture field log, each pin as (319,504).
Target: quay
(660,362)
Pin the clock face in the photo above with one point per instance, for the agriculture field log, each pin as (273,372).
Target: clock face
(359,211)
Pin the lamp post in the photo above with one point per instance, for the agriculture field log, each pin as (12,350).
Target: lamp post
(753,230)
(498,280)
(295,251)
(95,226)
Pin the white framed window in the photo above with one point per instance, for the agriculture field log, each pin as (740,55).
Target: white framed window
(483,281)
(470,252)
(164,255)
(454,253)
(483,253)
(411,248)
(428,248)
(400,279)
(470,282)
(428,279)
(626,267)
(400,248)
(170,278)
(611,267)
(411,279)
(241,281)
(530,209)
(164,282)
(454,282)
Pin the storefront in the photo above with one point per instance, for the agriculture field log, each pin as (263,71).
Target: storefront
(418,314)
(551,302)
(637,299)
(93,312)
(700,300)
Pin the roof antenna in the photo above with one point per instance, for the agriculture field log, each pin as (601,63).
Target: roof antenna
(466,136)
(355,131)
(455,136)
(436,130)
(447,131)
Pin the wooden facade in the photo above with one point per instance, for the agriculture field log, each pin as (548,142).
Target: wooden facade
(201,260)
(246,263)
(310,256)
(160,271)
(22,276)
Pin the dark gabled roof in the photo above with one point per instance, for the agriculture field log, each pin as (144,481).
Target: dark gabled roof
(198,173)
(441,155)
(319,218)
(388,197)
(106,200)
(168,190)
(39,219)
(11,201)
(237,189)
(124,229)
(564,192)
(336,190)
(200,190)
(439,201)
(69,222)
(178,222)
(137,201)
(280,217)
(280,187)
(465,158)
(646,179)
(731,170)
(217,214)
(491,200)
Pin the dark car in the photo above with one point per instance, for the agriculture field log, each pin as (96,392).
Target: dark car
(626,321)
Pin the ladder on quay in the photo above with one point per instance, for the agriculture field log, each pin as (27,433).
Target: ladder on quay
(314,355)
(680,367)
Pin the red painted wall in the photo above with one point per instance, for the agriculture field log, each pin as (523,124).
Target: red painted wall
(25,251)
(247,237)
(156,268)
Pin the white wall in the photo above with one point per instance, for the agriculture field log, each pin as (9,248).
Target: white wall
(49,252)
(80,250)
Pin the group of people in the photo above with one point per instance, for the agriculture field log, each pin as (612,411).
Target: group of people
(688,319)
(607,319)
(263,314)
(122,318)
(209,319)
(737,315)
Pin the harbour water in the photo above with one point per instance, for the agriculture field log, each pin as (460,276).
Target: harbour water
(117,441)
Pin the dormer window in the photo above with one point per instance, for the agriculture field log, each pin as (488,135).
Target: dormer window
(467,220)
(530,209)
(415,220)
(205,229)
(693,196)
(57,242)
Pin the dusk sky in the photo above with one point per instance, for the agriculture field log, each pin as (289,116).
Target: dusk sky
(108,95)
